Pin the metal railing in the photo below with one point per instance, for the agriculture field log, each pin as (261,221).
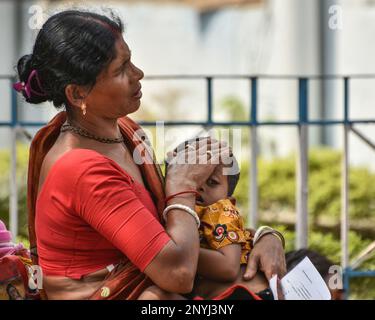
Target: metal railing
(253,123)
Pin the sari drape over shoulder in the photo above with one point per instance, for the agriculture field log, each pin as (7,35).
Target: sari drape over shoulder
(126,281)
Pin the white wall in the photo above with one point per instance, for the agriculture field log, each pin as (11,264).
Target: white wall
(356,56)
(278,37)
(7,53)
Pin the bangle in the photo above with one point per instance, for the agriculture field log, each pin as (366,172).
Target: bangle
(184,208)
(179,193)
(262,231)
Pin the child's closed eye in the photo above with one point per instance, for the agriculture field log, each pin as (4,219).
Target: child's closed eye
(212,182)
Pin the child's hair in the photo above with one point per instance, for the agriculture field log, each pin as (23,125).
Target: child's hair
(232,178)
(321,262)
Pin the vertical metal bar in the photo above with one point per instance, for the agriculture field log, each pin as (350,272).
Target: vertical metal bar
(345,182)
(253,198)
(13,197)
(346,280)
(302,168)
(209,100)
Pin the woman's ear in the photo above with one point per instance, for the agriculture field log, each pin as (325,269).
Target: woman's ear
(75,95)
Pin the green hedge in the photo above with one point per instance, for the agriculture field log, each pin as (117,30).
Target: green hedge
(22,162)
(277,186)
(329,245)
(277,192)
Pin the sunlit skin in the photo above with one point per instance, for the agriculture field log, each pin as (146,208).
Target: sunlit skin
(116,93)
(118,86)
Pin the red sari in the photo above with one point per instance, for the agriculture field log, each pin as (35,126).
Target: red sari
(126,281)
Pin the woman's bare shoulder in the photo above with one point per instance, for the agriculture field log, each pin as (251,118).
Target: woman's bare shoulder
(69,163)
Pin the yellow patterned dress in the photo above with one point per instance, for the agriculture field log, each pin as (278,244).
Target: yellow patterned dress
(221,225)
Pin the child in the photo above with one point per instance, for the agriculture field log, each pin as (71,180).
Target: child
(7,247)
(225,243)
(16,274)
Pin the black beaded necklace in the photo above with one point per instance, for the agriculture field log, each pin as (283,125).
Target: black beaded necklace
(82,132)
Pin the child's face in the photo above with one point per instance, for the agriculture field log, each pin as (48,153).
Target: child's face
(214,189)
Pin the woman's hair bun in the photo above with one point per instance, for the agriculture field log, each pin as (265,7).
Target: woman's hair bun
(72,47)
(24,69)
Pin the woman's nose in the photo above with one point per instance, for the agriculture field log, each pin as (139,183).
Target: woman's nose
(138,73)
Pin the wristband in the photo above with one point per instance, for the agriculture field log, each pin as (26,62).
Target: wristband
(179,193)
(262,231)
(184,208)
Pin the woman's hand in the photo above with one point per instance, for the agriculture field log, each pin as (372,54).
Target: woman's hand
(267,256)
(280,294)
(189,168)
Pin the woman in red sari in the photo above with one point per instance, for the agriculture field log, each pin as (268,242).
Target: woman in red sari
(95,222)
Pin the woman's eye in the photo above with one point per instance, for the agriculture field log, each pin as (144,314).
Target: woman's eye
(124,66)
(123,69)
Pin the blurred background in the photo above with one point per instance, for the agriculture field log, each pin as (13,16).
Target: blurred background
(178,44)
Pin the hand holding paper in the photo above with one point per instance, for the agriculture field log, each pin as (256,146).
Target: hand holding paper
(303,282)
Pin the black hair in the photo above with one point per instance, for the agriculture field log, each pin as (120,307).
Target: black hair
(72,47)
(321,262)
(232,178)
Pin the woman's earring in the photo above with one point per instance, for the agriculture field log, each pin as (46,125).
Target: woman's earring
(83,108)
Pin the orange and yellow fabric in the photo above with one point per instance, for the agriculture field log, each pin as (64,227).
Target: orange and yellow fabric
(221,225)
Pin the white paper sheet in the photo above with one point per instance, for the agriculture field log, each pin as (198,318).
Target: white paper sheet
(303,282)
(273,287)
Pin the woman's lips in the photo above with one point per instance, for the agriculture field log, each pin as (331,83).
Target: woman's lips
(138,94)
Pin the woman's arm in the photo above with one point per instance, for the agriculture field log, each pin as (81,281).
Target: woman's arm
(175,267)
(222,264)
(105,199)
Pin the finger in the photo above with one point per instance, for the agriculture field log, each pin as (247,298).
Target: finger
(220,156)
(170,157)
(251,268)
(215,144)
(280,294)
(220,150)
(269,273)
(208,143)
(202,142)
(282,271)
(223,148)
(226,156)
(210,157)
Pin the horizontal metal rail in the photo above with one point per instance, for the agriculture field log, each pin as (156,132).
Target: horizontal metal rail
(302,122)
